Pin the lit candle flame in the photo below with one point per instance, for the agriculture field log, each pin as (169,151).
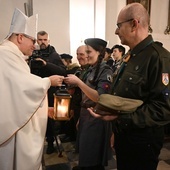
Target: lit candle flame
(62,109)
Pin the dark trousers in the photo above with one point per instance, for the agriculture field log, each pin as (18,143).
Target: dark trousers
(59,127)
(138,149)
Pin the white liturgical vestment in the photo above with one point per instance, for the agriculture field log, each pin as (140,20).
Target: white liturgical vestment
(23,111)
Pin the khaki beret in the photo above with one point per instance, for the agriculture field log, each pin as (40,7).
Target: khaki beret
(110,104)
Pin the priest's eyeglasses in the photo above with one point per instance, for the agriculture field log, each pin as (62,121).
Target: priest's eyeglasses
(31,38)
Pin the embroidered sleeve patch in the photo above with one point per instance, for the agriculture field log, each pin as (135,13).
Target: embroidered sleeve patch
(109,78)
(165,78)
(106,86)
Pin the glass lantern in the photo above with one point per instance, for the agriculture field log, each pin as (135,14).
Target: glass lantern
(62,104)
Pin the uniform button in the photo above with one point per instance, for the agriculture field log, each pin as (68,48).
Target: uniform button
(126,89)
(130,78)
(137,68)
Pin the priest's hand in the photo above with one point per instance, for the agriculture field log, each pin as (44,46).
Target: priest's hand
(56,80)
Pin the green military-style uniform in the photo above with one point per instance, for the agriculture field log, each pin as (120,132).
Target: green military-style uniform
(144,77)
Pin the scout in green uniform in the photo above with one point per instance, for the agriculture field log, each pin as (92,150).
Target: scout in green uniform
(94,134)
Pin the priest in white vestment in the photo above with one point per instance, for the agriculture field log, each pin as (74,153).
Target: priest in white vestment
(23,101)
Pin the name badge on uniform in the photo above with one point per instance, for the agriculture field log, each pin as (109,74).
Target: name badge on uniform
(165,78)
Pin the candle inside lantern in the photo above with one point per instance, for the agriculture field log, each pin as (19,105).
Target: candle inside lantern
(62,105)
(62,108)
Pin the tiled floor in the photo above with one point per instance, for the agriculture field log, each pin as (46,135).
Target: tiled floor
(69,158)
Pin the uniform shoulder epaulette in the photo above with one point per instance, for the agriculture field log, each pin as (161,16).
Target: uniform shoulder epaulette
(158,43)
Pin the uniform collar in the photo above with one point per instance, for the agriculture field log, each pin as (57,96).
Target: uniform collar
(142,45)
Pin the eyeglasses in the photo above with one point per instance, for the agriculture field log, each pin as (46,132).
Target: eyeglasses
(120,23)
(31,38)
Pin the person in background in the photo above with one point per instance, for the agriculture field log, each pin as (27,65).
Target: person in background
(46,62)
(108,58)
(117,51)
(82,58)
(23,101)
(139,135)
(94,134)
(68,132)
(67,61)
(75,91)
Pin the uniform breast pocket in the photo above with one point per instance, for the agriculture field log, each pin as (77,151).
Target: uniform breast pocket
(133,81)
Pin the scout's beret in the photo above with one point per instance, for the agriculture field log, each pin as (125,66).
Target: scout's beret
(95,42)
(109,104)
(66,56)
